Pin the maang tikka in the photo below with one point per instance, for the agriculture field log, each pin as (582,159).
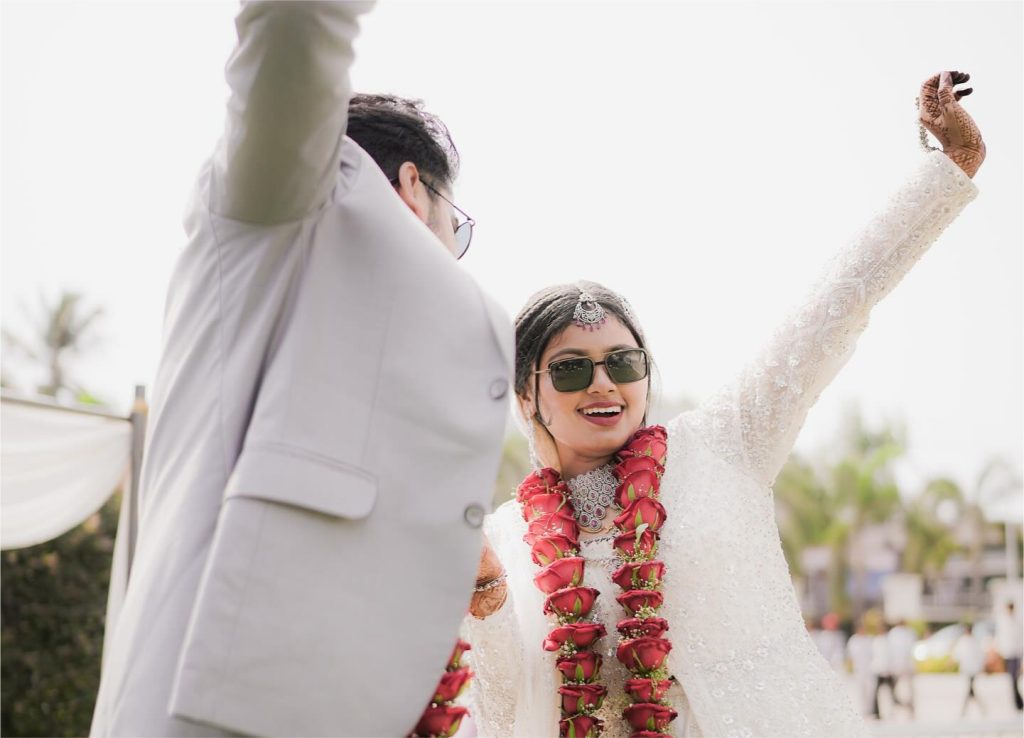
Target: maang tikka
(588,313)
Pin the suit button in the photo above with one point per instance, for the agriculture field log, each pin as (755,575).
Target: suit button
(474,515)
(499,388)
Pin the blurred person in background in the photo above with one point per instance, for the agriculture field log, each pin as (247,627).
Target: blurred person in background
(970,659)
(1009,639)
(859,650)
(901,639)
(831,641)
(881,667)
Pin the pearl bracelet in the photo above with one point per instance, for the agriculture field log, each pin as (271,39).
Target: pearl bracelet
(490,583)
(922,132)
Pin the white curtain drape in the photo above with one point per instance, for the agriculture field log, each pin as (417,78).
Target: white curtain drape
(57,469)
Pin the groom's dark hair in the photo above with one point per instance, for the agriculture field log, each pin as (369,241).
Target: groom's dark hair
(394,130)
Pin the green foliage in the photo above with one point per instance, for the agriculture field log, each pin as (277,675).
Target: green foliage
(54,599)
(515,465)
(830,506)
(929,543)
(60,329)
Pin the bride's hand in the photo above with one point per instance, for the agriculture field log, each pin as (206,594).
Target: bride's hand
(942,114)
(490,600)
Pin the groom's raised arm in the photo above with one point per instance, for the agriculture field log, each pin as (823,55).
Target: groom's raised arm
(289,78)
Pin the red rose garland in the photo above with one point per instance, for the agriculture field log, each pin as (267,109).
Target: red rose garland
(553,537)
(441,719)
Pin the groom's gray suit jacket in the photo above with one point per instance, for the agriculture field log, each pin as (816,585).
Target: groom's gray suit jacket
(325,430)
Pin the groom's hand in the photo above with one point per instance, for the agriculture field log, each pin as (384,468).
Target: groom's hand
(942,114)
(489,600)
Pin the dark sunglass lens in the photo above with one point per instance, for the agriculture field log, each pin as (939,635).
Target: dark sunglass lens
(626,366)
(572,375)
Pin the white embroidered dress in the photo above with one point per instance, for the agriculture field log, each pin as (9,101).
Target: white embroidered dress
(741,653)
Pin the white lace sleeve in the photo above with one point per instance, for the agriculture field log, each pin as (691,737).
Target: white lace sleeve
(496,655)
(754,421)
(494,659)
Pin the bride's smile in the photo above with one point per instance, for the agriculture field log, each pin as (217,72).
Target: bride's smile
(592,384)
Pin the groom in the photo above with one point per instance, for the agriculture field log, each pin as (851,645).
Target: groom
(327,418)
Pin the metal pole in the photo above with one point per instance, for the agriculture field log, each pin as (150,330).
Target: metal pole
(137,418)
(1012,567)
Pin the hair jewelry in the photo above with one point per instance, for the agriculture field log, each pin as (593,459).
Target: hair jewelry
(588,313)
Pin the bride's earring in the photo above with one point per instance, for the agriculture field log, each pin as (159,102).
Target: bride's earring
(531,440)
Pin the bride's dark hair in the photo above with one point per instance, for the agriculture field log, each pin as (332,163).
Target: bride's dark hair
(549,312)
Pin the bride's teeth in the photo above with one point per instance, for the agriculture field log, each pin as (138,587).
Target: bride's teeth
(602,410)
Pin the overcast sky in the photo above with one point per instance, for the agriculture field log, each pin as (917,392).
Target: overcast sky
(703,159)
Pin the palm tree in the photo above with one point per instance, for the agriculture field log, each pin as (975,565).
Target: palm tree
(930,541)
(866,494)
(831,507)
(61,329)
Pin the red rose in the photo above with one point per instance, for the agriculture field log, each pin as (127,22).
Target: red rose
(643,655)
(580,726)
(581,697)
(634,599)
(573,602)
(545,550)
(650,433)
(584,666)
(647,690)
(653,431)
(452,684)
(580,635)
(440,721)
(635,628)
(649,716)
(643,510)
(642,483)
(630,546)
(543,503)
(641,574)
(553,524)
(456,658)
(559,574)
(538,482)
(631,464)
(647,442)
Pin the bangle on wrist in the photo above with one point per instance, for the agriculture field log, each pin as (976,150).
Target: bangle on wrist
(490,583)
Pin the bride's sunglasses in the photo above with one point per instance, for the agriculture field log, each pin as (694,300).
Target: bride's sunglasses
(575,374)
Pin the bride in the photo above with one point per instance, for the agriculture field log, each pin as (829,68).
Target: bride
(645,590)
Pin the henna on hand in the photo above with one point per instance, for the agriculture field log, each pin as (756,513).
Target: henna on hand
(488,601)
(942,114)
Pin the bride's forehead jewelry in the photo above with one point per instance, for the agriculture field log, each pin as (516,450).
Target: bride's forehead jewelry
(588,313)
(627,311)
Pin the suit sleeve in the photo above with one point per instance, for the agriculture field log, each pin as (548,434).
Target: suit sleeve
(753,422)
(279,153)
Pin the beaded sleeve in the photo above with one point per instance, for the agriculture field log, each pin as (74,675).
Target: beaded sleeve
(754,421)
(497,648)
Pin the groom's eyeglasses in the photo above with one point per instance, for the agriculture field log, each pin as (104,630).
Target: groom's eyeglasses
(463,230)
(573,375)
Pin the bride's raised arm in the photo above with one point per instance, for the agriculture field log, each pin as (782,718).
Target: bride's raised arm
(753,422)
